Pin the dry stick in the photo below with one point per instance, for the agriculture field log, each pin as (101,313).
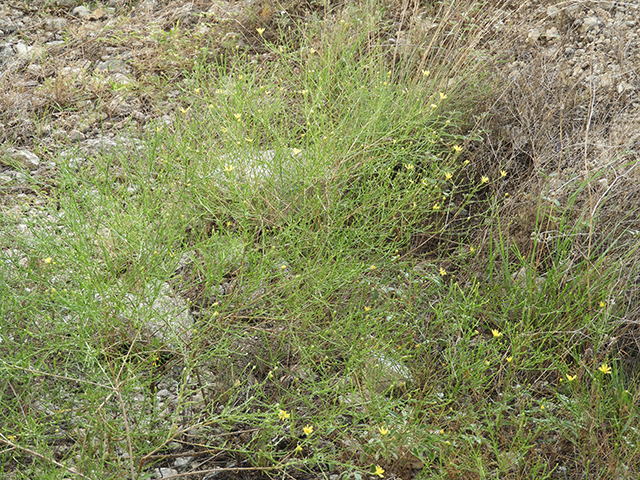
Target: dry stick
(71,470)
(116,388)
(61,377)
(586,167)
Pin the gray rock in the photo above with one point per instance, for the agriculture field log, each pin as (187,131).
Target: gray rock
(35,70)
(165,472)
(81,12)
(170,319)
(589,24)
(110,65)
(6,51)
(182,461)
(76,136)
(21,49)
(551,33)
(164,393)
(533,35)
(54,24)
(385,373)
(553,11)
(23,158)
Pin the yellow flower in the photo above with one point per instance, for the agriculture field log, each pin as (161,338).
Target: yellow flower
(509,359)
(283,414)
(238,116)
(408,166)
(443,272)
(425,73)
(541,407)
(296,151)
(472,249)
(366,309)
(606,369)
(448,175)
(436,206)
(496,333)
(229,168)
(308,430)
(602,304)
(260,31)
(503,173)
(47,260)
(484,179)
(571,378)
(442,96)
(298,448)
(379,471)
(383,430)
(457,148)
(372,267)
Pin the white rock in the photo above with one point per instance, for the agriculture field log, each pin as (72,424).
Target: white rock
(553,11)
(590,23)
(182,461)
(534,35)
(552,33)
(23,158)
(166,472)
(81,11)
(385,373)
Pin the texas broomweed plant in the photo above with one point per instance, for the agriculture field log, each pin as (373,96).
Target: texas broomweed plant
(341,159)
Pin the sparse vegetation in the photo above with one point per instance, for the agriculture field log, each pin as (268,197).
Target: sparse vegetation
(320,266)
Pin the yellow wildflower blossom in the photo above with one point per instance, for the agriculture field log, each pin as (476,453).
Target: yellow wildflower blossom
(283,414)
(606,369)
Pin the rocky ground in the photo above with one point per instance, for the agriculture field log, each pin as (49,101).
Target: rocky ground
(78,79)
(72,73)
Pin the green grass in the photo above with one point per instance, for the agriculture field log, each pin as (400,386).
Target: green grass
(341,284)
